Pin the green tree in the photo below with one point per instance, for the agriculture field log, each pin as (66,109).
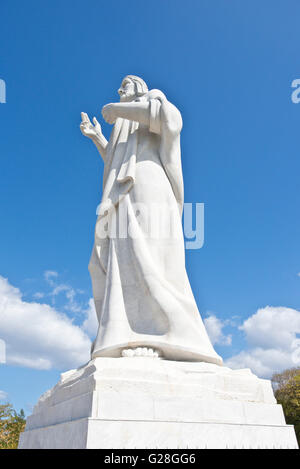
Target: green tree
(287,392)
(11,425)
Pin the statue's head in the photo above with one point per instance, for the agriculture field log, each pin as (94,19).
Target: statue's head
(131,88)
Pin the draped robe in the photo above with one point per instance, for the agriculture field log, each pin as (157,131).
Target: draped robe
(141,290)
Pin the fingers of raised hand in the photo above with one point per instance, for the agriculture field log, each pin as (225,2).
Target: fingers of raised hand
(96,124)
(83,129)
(85,118)
(87,128)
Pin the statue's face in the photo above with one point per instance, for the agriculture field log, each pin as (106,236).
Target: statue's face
(127,90)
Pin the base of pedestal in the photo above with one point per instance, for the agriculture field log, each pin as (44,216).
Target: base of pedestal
(150,403)
(108,434)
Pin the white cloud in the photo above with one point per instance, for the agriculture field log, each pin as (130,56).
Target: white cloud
(49,275)
(214,327)
(57,288)
(37,335)
(3,395)
(272,336)
(262,362)
(38,295)
(90,325)
(272,327)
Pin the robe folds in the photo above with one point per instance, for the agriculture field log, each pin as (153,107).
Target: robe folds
(141,290)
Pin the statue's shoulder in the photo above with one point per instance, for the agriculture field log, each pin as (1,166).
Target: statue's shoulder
(155,94)
(168,106)
(168,111)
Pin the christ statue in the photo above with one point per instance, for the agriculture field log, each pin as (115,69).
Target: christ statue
(143,298)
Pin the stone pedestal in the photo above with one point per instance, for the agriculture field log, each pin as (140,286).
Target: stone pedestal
(153,403)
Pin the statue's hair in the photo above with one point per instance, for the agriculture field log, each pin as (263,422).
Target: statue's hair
(140,86)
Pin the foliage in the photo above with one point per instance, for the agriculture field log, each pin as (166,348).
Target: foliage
(287,393)
(11,425)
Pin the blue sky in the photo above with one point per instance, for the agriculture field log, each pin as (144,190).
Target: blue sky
(228,66)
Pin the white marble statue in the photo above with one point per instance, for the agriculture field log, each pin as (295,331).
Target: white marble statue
(143,298)
(145,309)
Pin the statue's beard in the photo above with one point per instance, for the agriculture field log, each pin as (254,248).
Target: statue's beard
(126,98)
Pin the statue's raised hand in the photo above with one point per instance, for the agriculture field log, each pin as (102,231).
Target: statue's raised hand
(87,128)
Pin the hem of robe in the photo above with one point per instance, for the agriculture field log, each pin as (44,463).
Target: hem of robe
(168,351)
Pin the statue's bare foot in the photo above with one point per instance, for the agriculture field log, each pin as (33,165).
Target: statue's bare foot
(140,352)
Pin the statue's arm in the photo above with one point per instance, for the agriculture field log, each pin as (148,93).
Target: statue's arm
(94,132)
(153,113)
(138,111)
(101,144)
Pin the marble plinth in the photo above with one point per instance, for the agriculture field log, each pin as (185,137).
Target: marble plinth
(144,402)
